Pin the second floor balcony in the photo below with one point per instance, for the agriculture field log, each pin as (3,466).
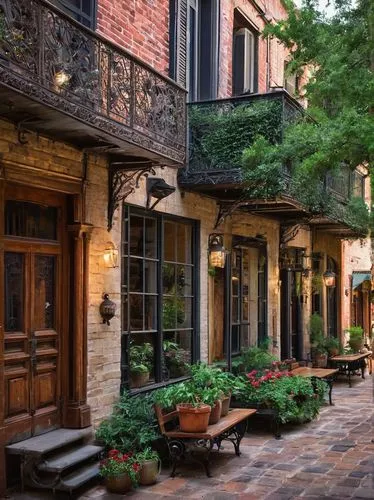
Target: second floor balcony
(63,80)
(221,130)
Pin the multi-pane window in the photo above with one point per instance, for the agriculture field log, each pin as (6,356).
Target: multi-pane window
(84,11)
(158,297)
(357,184)
(245,58)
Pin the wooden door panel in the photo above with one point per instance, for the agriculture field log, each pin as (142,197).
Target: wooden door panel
(17,401)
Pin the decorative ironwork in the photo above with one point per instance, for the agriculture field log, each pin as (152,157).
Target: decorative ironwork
(44,294)
(122,183)
(51,58)
(288,233)
(227,209)
(14,291)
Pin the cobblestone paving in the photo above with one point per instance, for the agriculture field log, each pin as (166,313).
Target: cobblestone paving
(331,457)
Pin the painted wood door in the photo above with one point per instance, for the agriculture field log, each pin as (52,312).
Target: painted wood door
(33,298)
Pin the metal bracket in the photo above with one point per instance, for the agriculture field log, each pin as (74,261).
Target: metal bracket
(226,210)
(288,233)
(123,180)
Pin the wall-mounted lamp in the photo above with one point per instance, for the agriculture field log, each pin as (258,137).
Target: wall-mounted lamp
(329,279)
(111,255)
(107,309)
(159,189)
(217,252)
(61,78)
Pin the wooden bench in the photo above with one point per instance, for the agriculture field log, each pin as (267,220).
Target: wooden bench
(326,374)
(198,446)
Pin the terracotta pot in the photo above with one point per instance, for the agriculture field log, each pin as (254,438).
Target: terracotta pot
(356,344)
(149,472)
(225,405)
(333,352)
(320,361)
(193,418)
(215,414)
(118,484)
(138,379)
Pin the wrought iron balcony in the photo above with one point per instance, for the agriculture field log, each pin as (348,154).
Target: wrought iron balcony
(219,132)
(58,77)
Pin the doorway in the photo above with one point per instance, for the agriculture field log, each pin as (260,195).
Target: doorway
(35,310)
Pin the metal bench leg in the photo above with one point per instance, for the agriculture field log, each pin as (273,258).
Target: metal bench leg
(177,451)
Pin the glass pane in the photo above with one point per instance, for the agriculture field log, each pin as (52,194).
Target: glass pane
(30,220)
(14,291)
(245,308)
(150,238)
(168,279)
(184,318)
(169,313)
(245,339)
(150,312)
(136,312)
(235,346)
(44,292)
(136,275)
(170,241)
(150,277)
(235,310)
(141,359)
(177,354)
(184,280)
(184,243)
(136,235)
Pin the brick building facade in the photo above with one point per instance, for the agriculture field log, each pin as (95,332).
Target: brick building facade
(83,132)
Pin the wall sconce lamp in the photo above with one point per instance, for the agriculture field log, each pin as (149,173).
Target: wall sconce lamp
(217,252)
(107,309)
(329,279)
(157,188)
(61,78)
(111,255)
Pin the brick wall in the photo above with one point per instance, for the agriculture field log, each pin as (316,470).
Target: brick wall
(140,26)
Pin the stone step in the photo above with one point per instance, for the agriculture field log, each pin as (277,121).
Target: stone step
(46,443)
(78,478)
(69,458)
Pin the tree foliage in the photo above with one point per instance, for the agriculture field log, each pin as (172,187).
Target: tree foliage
(338,54)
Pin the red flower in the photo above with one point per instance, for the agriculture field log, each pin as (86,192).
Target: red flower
(113,453)
(136,466)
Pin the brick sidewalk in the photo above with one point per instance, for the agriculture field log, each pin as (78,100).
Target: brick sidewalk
(332,457)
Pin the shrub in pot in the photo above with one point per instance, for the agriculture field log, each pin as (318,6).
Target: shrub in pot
(332,345)
(141,357)
(356,338)
(150,466)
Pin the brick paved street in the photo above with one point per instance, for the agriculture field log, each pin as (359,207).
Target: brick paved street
(332,457)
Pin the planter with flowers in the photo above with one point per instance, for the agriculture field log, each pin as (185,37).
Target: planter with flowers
(120,471)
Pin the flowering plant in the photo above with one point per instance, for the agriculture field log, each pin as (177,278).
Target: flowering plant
(255,378)
(118,463)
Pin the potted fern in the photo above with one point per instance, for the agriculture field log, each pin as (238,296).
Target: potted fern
(356,338)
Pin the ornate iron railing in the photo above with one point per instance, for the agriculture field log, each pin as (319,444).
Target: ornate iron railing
(51,58)
(278,109)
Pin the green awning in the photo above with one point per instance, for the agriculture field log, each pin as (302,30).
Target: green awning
(359,277)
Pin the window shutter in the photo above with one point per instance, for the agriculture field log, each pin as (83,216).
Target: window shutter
(243,61)
(181,43)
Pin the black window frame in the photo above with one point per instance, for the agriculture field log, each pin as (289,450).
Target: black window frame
(160,218)
(79,14)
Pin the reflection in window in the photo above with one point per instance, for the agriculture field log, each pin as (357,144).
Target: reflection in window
(158,297)
(30,220)
(44,292)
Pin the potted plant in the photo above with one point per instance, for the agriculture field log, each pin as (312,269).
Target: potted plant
(175,359)
(120,471)
(150,466)
(356,338)
(141,357)
(317,341)
(332,346)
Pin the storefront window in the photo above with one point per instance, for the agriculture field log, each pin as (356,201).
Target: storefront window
(158,297)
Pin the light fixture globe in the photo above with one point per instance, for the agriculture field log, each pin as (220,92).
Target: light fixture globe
(217,252)
(329,279)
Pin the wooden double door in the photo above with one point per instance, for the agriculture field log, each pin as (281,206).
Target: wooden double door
(35,306)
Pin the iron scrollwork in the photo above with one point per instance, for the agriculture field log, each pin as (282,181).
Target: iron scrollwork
(122,183)
(50,57)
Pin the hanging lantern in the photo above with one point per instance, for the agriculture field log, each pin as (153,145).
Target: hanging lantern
(107,309)
(329,279)
(217,252)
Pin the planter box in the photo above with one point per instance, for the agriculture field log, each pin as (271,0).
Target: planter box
(263,414)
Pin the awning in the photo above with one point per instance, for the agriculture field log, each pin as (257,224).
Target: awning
(359,277)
